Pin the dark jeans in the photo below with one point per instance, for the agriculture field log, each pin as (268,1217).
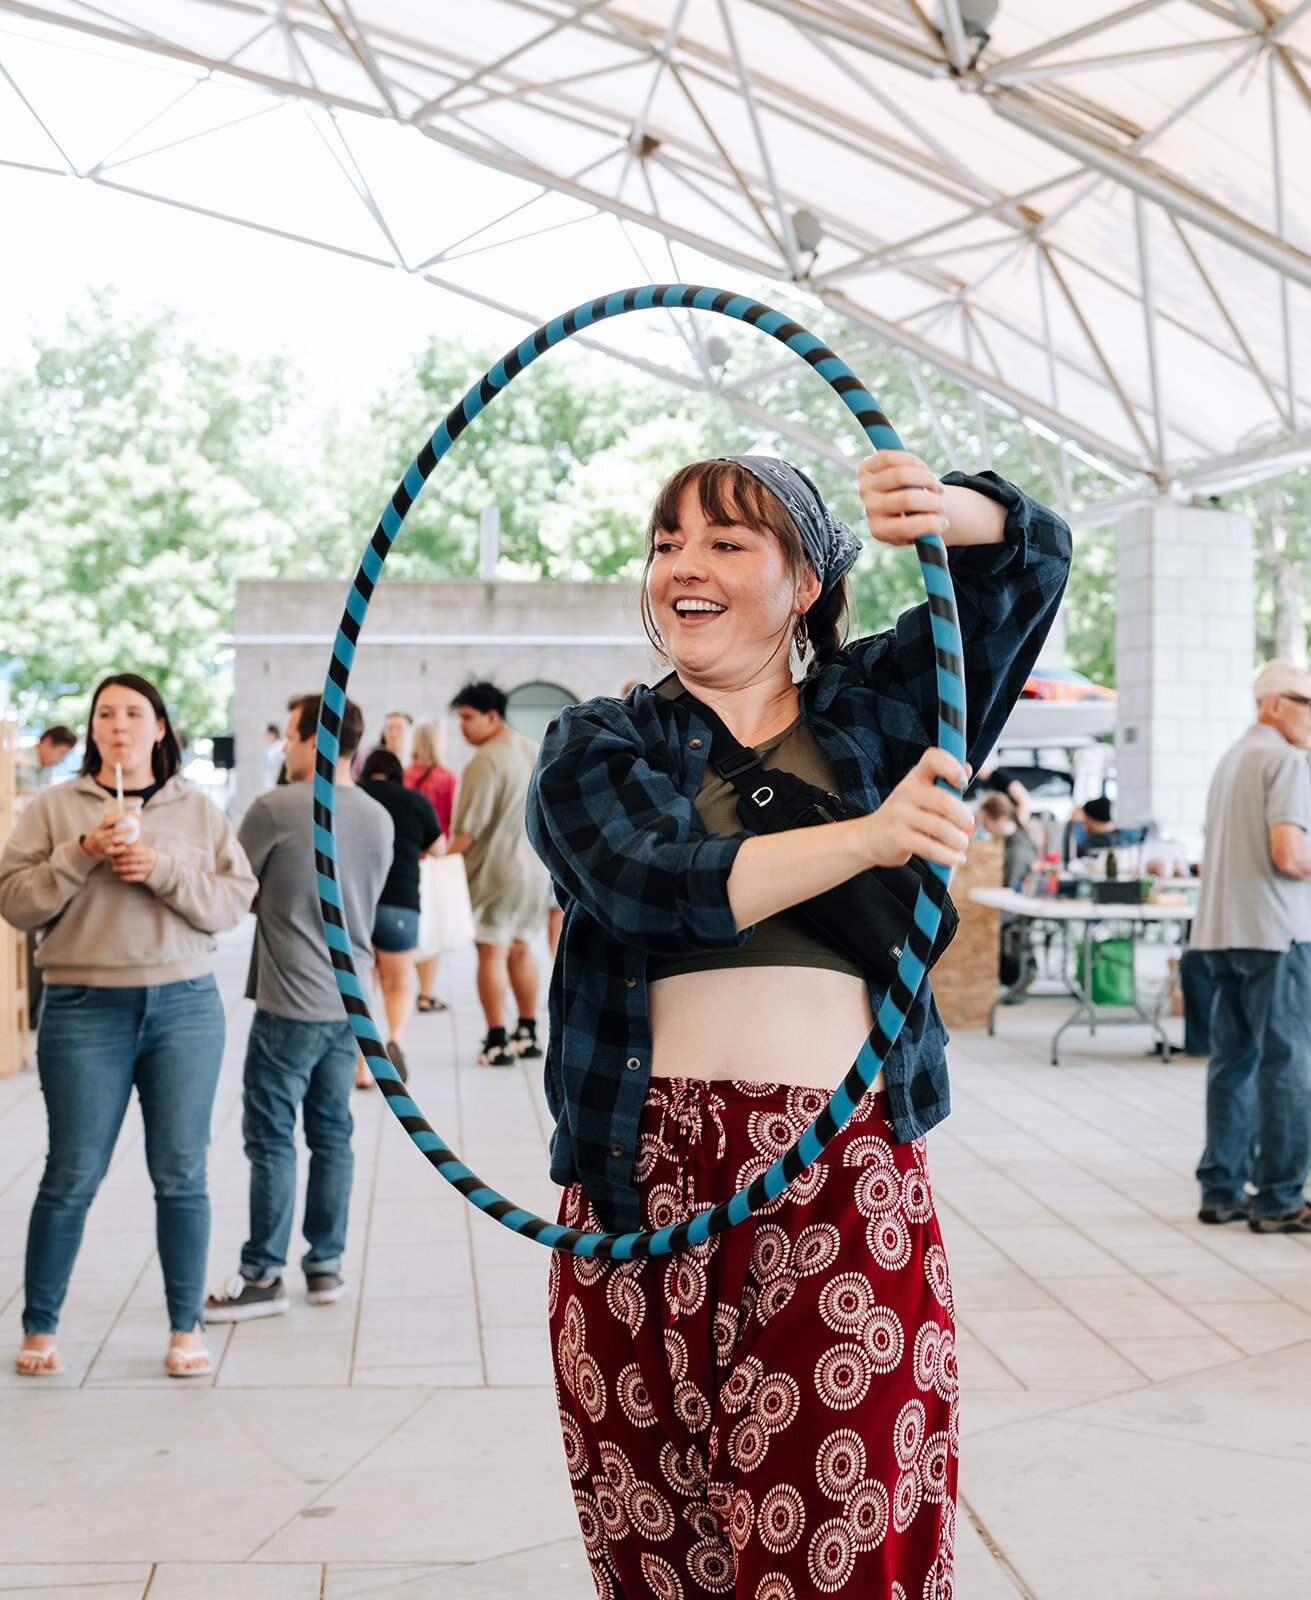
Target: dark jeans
(1198,990)
(311,1065)
(92,1046)
(1258,1081)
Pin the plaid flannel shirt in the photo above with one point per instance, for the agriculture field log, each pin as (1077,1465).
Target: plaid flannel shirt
(612,813)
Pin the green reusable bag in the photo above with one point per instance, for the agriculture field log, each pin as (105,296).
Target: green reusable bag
(1112,972)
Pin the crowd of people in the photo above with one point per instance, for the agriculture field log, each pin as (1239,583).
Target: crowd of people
(125,875)
(479,818)
(701,1009)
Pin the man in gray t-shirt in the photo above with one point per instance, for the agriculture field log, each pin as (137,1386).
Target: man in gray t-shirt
(301,1051)
(290,973)
(1254,925)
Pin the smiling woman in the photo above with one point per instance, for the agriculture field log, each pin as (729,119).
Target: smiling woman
(128,874)
(698,1025)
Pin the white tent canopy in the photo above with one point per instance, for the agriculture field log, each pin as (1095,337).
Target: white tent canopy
(1093,215)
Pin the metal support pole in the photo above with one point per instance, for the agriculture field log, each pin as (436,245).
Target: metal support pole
(1277,165)
(980,410)
(1141,224)
(1044,310)
(489,542)
(1255,367)
(786,235)
(953,37)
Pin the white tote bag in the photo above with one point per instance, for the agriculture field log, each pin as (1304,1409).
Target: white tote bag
(445,915)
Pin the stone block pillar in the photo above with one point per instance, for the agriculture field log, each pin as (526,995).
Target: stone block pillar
(1185,637)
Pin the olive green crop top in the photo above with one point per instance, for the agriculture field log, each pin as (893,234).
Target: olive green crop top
(781,940)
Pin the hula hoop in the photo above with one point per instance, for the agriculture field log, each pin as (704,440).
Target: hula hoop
(928,907)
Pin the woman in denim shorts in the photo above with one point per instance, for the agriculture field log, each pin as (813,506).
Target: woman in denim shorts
(396,921)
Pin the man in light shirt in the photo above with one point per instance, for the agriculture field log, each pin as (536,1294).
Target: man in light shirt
(1254,923)
(508,886)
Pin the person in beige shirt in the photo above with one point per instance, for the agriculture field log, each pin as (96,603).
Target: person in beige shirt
(508,886)
(127,897)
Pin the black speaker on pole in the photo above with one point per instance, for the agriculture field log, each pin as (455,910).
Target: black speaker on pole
(225,750)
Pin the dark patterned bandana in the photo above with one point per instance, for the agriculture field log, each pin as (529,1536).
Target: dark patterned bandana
(830,543)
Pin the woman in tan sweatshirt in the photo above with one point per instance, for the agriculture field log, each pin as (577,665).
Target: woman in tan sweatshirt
(127,908)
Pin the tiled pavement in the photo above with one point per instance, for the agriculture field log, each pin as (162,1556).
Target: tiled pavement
(1137,1388)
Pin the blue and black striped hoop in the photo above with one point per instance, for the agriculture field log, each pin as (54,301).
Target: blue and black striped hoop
(928,907)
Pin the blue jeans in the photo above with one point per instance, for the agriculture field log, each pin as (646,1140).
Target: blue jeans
(92,1046)
(311,1065)
(1198,989)
(1258,1080)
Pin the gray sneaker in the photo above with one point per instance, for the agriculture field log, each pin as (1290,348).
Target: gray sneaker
(325,1287)
(1293,1222)
(240,1300)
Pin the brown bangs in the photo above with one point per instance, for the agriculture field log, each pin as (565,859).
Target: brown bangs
(727,494)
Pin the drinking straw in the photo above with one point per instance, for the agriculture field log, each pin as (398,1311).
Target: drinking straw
(118,784)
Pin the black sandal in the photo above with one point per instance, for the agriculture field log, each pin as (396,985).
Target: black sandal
(430,1002)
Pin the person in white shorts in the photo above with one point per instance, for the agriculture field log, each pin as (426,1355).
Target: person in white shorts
(508,886)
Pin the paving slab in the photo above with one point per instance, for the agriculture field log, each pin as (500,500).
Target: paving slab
(556,1571)
(74,1581)
(235,1580)
(185,1473)
(512,1297)
(981,1572)
(384,1580)
(1090,1511)
(1257,1410)
(436,1488)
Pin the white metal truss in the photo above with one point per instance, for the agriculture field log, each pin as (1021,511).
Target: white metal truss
(1093,220)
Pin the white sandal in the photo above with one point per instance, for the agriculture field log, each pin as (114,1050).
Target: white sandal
(194,1363)
(42,1363)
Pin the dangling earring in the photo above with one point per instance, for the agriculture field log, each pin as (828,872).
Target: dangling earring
(801,637)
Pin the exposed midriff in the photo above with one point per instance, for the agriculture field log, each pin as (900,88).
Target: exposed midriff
(784,1007)
(799,1025)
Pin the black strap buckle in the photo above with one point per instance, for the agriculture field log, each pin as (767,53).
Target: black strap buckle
(731,764)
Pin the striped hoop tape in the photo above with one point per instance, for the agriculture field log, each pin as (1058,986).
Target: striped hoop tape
(928,908)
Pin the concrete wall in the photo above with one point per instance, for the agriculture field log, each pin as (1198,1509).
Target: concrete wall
(1185,640)
(420,642)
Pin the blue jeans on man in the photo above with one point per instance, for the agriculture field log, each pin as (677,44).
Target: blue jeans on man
(1258,1083)
(93,1046)
(310,1065)
(1198,990)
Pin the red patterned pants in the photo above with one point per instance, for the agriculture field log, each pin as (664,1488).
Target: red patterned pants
(773,1414)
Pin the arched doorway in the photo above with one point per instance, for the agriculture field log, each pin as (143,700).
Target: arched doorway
(533,705)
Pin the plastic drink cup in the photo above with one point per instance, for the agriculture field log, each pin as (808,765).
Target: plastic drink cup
(127,813)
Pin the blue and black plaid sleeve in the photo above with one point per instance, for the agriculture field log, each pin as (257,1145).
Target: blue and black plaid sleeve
(622,840)
(1008,595)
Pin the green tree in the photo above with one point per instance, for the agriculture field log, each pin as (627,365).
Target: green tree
(140,477)
(1280,510)
(521,455)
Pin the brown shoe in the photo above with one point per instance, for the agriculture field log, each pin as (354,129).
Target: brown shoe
(1294,1222)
